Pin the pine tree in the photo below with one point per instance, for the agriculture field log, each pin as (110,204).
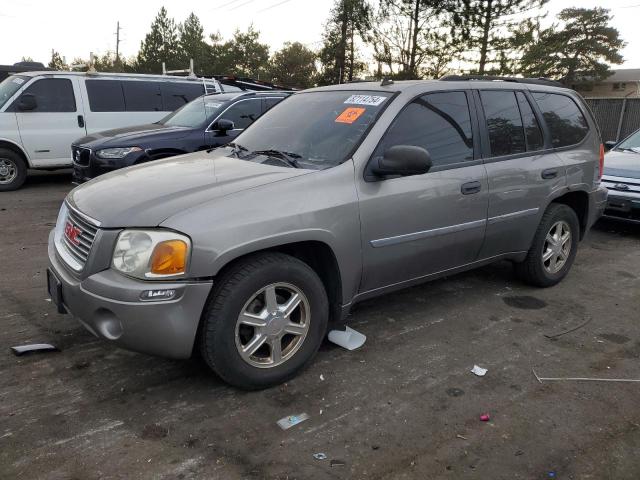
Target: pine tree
(56,62)
(160,45)
(244,55)
(192,44)
(579,50)
(348,22)
(487,27)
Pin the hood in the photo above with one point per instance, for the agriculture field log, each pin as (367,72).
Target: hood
(146,194)
(132,136)
(622,164)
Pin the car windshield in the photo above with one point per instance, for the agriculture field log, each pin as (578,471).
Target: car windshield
(9,86)
(197,113)
(631,144)
(314,130)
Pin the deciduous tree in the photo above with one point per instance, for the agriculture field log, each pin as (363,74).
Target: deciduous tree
(294,65)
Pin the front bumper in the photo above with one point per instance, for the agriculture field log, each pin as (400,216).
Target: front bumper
(625,207)
(108,305)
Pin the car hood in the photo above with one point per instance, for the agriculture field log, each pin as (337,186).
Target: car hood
(622,164)
(132,136)
(145,195)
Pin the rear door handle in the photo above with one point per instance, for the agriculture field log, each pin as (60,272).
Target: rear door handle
(80,121)
(549,173)
(470,188)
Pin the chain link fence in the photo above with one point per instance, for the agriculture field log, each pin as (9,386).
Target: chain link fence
(617,117)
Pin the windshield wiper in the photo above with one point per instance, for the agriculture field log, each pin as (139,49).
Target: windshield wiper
(289,157)
(237,148)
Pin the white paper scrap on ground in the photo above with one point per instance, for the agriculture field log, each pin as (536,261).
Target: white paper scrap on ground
(349,338)
(479,371)
(288,422)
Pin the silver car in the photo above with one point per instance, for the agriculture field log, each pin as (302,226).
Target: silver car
(622,178)
(246,254)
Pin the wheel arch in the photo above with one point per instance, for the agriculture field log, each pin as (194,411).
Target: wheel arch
(317,254)
(14,147)
(578,201)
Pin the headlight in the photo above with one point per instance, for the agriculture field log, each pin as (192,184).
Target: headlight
(114,153)
(151,254)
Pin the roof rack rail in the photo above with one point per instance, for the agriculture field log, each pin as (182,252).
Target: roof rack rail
(492,78)
(246,83)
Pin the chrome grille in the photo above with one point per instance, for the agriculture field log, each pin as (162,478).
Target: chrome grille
(85,237)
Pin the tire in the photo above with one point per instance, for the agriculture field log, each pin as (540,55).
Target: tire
(13,170)
(245,289)
(537,271)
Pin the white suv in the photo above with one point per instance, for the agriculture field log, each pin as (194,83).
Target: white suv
(42,113)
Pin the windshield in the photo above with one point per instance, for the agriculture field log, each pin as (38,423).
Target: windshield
(197,113)
(632,143)
(318,129)
(9,86)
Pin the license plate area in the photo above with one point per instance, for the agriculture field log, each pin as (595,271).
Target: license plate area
(54,287)
(619,205)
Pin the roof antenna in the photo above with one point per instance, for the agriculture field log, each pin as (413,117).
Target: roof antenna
(386,81)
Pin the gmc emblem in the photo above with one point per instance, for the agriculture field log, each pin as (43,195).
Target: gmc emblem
(72,233)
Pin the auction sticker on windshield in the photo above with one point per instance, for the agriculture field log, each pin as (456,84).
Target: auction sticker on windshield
(350,115)
(373,100)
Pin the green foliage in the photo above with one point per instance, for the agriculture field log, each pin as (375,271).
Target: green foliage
(348,23)
(160,45)
(56,62)
(294,66)
(244,55)
(572,53)
(192,44)
(487,26)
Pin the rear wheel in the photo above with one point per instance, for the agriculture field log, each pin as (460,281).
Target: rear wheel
(265,321)
(553,249)
(13,170)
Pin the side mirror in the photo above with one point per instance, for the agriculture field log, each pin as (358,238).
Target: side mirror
(224,125)
(27,102)
(609,145)
(403,160)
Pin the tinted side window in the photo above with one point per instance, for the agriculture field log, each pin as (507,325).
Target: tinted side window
(53,95)
(269,103)
(564,119)
(105,95)
(175,94)
(142,96)
(532,132)
(506,134)
(438,122)
(244,113)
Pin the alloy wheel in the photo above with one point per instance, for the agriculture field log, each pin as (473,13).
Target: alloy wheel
(557,247)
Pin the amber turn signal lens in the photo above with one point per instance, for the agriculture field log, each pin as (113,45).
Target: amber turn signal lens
(169,258)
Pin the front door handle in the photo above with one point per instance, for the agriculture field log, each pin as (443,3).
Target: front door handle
(549,173)
(470,188)
(80,121)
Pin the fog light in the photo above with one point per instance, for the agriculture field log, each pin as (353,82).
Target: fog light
(155,295)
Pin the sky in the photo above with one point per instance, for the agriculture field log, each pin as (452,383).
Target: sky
(77,27)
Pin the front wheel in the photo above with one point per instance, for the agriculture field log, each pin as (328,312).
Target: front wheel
(265,321)
(554,247)
(13,170)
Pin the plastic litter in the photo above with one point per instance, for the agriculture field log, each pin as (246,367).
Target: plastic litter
(479,371)
(349,339)
(337,463)
(320,456)
(322,377)
(485,417)
(34,347)
(288,422)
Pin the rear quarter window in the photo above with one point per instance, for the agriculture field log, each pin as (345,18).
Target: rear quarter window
(142,96)
(565,120)
(177,94)
(105,95)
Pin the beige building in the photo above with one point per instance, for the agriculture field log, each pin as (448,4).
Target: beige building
(623,83)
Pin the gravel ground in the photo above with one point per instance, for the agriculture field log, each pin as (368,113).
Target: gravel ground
(403,406)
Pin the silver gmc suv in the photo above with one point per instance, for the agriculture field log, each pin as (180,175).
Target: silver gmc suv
(245,254)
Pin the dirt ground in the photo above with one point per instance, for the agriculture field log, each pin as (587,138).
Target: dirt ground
(404,406)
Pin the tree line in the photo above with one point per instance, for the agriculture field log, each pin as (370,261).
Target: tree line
(400,39)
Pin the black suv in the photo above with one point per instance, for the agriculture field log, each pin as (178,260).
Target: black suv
(204,123)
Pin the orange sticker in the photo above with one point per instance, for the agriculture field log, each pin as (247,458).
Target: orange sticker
(350,115)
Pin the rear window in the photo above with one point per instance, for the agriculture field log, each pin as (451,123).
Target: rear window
(105,95)
(564,119)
